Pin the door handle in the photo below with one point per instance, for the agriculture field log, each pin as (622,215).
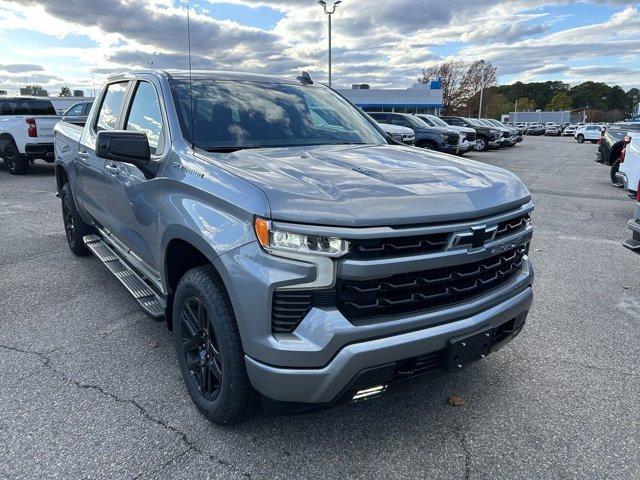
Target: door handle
(82,155)
(112,168)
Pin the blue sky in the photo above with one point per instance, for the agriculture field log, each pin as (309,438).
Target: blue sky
(384,43)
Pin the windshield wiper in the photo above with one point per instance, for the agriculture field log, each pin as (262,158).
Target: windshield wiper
(225,149)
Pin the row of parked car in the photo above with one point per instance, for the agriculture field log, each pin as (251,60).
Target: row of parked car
(448,134)
(619,149)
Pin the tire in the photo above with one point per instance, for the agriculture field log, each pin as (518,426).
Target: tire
(16,163)
(74,227)
(481,145)
(614,169)
(594,141)
(208,347)
(428,146)
(580,138)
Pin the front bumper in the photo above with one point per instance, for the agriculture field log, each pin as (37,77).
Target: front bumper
(44,151)
(377,360)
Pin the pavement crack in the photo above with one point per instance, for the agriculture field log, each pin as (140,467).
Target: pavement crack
(462,438)
(191,446)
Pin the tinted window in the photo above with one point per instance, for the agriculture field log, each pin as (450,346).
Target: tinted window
(145,116)
(398,120)
(245,114)
(77,110)
(380,117)
(26,106)
(111,107)
(41,107)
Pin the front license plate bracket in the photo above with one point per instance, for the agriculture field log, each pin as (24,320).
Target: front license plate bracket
(468,348)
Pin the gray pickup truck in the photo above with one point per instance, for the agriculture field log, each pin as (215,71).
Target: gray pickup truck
(300,256)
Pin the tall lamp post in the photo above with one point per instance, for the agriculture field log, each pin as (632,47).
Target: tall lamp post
(481,89)
(329,12)
(93,83)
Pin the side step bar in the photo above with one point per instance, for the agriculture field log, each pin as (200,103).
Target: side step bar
(150,302)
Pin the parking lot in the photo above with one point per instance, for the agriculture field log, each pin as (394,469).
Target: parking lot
(91,387)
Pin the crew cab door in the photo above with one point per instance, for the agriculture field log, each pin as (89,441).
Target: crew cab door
(133,193)
(92,170)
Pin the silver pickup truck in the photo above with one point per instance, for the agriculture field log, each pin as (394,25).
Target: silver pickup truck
(300,256)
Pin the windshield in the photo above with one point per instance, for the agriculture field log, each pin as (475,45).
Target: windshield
(245,114)
(435,121)
(475,122)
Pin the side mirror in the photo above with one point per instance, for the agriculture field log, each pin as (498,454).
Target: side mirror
(124,146)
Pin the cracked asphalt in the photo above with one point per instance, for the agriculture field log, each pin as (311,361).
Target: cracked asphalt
(90,388)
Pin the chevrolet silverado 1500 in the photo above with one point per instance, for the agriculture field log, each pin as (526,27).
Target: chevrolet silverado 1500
(299,255)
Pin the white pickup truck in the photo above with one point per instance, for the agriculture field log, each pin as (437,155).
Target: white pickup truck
(26,131)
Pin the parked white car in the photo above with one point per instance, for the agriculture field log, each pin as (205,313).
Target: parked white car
(629,170)
(569,131)
(399,134)
(588,132)
(26,131)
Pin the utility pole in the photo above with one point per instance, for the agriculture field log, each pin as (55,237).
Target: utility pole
(329,12)
(93,83)
(515,116)
(481,89)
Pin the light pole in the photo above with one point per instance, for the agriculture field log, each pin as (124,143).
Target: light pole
(481,89)
(93,83)
(329,12)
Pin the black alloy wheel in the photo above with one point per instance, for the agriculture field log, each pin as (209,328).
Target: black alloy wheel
(200,348)
(67,218)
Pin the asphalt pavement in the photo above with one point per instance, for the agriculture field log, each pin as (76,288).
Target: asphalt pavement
(90,387)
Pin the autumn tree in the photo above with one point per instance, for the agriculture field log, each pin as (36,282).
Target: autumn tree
(451,75)
(478,76)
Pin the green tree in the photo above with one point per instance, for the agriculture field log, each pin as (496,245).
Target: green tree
(560,101)
(497,104)
(64,92)
(34,90)
(525,104)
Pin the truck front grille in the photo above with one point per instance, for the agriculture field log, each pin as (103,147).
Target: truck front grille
(453,139)
(471,137)
(419,291)
(376,248)
(398,294)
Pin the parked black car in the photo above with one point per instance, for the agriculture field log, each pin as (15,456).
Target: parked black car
(610,147)
(486,136)
(434,138)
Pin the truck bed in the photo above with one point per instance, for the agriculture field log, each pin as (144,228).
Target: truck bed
(67,140)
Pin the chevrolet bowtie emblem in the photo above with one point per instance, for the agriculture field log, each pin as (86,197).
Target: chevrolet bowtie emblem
(474,239)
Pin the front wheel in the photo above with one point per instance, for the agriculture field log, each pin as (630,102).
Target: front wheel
(580,138)
(208,347)
(481,145)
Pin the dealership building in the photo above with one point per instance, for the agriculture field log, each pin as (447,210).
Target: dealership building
(420,98)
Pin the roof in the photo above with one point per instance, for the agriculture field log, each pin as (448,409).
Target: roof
(207,74)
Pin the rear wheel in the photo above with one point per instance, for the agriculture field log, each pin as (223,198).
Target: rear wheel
(208,346)
(580,138)
(75,228)
(16,164)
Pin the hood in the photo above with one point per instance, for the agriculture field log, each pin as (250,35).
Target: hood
(395,128)
(429,128)
(373,185)
(462,129)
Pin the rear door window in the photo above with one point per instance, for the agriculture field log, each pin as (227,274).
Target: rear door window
(77,110)
(145,116)
(41,107)
(111,108)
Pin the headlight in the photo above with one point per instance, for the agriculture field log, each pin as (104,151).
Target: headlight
(280,240)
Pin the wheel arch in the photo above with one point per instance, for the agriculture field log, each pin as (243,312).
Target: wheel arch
(6,139)
(183,251)
(61,177)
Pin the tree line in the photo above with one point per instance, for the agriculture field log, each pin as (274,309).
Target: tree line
(461,83)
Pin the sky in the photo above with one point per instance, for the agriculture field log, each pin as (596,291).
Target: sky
(78,43)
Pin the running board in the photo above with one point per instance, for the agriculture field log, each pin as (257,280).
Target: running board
(632,244)
(150,302)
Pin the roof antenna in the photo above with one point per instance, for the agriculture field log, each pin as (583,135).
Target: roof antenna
(193,113)
(305,78)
